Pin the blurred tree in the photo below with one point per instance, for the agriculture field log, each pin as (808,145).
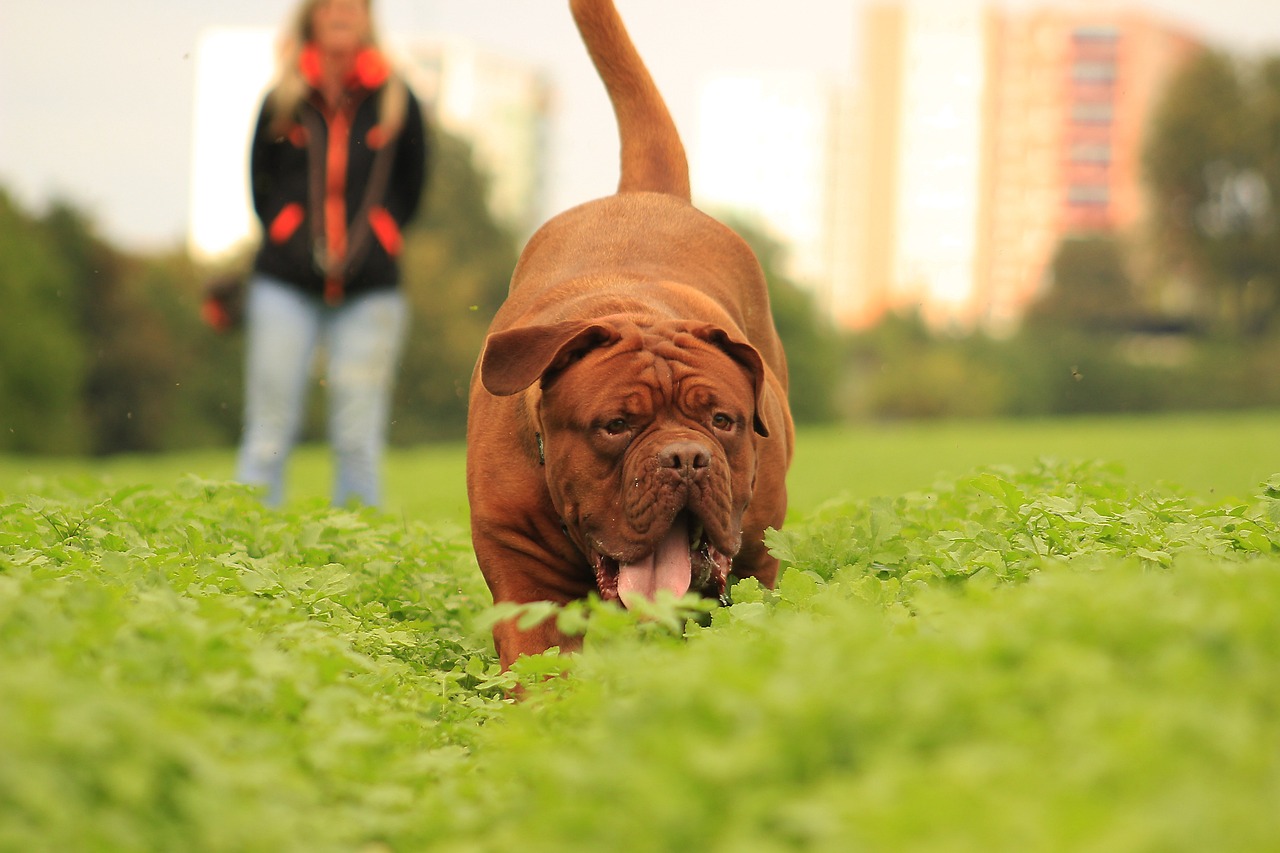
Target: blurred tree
(812,344)
(457,266)
(42,354)
(1211,163)
(131,370)
(901,369)
(102,352)
(203,389)
(1267,115)
(1089,288)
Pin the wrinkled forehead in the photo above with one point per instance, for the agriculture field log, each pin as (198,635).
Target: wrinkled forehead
(647,375)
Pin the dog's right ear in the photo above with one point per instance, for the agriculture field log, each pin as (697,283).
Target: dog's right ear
(515,359)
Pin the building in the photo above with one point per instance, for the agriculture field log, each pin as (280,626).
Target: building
(764,151)
(233,67)
(499,106)
(983,138)
(1073,99)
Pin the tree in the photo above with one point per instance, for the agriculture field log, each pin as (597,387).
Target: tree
(1090,288)
(810,341)
(457,266)
(1267,116)
(1211,164)
(133,366)
(103,352)
(42,354)
(201,394)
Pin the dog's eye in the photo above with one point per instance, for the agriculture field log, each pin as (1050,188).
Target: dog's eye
(723,422)
(617,426)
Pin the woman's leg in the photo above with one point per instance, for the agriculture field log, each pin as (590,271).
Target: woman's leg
(365,338)
(282,326)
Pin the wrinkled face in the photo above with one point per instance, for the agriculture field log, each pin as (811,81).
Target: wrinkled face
(340,26)
(651,461)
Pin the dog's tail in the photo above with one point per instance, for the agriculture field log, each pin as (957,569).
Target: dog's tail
(653,158)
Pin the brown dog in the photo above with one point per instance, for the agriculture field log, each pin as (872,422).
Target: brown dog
(628,430)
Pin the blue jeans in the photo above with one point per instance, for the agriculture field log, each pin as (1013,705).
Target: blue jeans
(362,338)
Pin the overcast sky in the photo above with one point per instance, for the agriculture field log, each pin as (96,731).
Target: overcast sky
(96,95)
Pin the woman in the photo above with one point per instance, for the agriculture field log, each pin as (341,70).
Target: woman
(337,167)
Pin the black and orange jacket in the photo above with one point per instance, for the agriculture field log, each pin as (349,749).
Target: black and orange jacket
(298,229)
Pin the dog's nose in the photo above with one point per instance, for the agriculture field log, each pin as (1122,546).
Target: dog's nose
(687,457)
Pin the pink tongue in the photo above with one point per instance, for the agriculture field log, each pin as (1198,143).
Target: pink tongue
(668,568)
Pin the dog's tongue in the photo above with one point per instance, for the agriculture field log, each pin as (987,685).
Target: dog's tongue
(668,567)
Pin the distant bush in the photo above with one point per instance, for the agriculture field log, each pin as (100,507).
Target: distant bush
(43,359)
(103,351)
(901,369)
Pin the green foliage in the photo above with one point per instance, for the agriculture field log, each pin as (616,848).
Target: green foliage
(457,265)
(1212,166)
(1039,658)
(202,405)
(104,352)
(42,357)
(811,342)
(185,670)
(1098,708)
(1052,366)
(901,370)
(1004,526)
(1090,290)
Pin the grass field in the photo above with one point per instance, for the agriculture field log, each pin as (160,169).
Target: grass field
(1226,456)
(1044,657)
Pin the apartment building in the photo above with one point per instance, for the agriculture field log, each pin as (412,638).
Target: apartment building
(983,138)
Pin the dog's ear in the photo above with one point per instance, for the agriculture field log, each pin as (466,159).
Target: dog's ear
(746,355)
(515,359)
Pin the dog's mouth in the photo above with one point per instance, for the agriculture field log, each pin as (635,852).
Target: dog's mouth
(683,560)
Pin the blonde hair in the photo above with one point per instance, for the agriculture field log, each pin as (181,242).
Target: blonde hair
(290,88)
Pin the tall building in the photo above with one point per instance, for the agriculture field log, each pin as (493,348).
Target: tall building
(233,67)
(763,150)
(499,105)
(981,139)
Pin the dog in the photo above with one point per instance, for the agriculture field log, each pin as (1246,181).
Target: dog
(628,430)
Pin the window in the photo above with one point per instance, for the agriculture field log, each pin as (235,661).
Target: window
(1092,112)
(1093,71)
(1091,152)
(1099,33)
(1088,194)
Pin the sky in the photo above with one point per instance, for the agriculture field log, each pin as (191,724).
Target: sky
(96,96)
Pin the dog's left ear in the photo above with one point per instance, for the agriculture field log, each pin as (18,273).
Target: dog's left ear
(515,359)
(746,355)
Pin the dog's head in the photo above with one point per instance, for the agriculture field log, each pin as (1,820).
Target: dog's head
(649,440)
